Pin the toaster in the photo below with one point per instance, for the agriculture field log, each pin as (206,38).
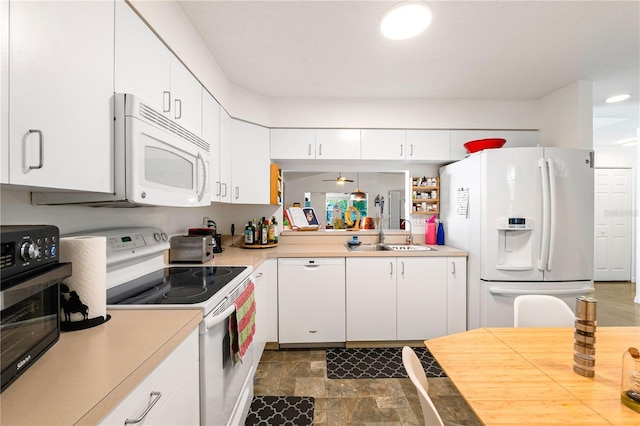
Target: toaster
(193,249)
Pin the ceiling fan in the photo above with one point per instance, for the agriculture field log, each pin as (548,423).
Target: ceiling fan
(339,179)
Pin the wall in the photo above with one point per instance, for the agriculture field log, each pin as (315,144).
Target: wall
(566,117)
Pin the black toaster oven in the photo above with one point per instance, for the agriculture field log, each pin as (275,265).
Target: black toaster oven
(30,276)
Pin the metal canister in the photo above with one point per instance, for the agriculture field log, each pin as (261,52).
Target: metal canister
(584,337)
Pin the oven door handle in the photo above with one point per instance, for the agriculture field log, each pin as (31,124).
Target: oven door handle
(217,319)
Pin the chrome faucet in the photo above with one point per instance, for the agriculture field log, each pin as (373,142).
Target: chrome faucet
(381,232)
(409,239)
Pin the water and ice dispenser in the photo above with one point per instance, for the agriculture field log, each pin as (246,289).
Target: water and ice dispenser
(515,243)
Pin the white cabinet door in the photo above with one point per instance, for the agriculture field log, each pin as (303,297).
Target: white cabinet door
(211,134)
(338,144)
(142,62)
(61,95)
(186,93)
(172,388)
(311,300)
(260,297)
(371,298)
(296,144)
(456,294)
(516,138)
(225,156)
(432,145)
(269,279)
(251,171)
(422,298)
(383,144)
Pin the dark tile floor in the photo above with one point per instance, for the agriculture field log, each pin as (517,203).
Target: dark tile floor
(302,372)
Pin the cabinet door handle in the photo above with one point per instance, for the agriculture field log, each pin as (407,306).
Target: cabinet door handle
(401,150)
(40,148)
(320,150)
(224,185)
(152,402)
(178,111)
(391,264)
(453,268)
(218,188)
(166,101)
(237,192)
(309,150)
(411,153)
(402,268)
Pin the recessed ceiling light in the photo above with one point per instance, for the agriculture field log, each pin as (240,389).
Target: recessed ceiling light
(405,20)
(617,98)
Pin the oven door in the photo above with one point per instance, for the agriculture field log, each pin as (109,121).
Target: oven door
(163,168)
(30,318)
(226,389)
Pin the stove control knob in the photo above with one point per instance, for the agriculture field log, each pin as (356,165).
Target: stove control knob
(165,237)
(29,250)
(156,236)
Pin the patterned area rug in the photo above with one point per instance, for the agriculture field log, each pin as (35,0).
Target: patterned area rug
(375,363)
(281,410)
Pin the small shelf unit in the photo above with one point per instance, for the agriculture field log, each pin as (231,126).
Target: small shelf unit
(425,198)
(277,186)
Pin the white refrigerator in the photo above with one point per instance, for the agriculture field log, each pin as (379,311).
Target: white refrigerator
(525,216)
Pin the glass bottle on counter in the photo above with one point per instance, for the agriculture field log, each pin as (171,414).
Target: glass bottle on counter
(264,232)
(256,232)
(248,234)
(274,225)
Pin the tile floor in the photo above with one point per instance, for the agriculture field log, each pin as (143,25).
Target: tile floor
(394,401)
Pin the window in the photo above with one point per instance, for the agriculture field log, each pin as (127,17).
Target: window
(338,203)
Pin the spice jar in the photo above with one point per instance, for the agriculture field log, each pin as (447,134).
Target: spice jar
(630,395)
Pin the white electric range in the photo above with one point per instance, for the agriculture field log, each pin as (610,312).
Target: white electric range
(137,278)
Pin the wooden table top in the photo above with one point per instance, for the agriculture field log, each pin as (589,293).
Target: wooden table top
(525,375)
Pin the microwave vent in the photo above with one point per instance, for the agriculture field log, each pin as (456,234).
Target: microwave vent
(172,127)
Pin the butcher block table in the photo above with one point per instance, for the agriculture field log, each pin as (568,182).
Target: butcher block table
(517,376)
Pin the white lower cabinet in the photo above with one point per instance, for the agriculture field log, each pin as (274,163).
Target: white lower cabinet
(404,298)
(266,297)
(169,395)
(311,300)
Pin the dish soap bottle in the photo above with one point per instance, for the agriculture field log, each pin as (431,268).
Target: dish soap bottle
(440,235)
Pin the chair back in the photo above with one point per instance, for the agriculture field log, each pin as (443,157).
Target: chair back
(538,310)
(418,377)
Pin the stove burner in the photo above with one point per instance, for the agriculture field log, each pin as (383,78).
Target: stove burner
(217,271)
(185,292)
(174,271)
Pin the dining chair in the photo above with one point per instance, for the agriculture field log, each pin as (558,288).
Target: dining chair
(538,310)
(418,377)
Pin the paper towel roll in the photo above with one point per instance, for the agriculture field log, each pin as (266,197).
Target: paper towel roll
(88,282)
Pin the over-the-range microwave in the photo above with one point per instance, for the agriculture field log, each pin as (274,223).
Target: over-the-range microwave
(156,163)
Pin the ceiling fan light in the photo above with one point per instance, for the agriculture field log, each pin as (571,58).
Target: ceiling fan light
(405,20)
(617,98)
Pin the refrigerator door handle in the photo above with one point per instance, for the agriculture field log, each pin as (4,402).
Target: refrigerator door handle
(553,208)
(558,292)
(544,246)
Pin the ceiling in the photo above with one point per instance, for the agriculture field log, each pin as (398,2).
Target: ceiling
(493,50)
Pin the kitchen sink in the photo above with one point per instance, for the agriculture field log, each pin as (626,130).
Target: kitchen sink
(388,247)
(367,247)
(406,247)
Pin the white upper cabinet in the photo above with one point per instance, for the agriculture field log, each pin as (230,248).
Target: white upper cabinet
(143,63)
(514,138)
(251,173)
(225,158)
(293,144)
(432,145)
(383,144)
(186,94)
(146,68)
(338,144)
(315,144)
(211,134)
(60,95)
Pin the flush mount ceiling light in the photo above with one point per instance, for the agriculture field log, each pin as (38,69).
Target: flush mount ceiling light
(617,98)
(405,20)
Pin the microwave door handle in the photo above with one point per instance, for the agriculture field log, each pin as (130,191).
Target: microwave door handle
(203,184)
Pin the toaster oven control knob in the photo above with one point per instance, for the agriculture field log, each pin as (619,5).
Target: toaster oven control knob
(29,250)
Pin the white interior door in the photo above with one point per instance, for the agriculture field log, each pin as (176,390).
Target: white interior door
(612,221)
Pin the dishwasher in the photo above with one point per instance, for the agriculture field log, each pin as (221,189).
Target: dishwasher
(311,301)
